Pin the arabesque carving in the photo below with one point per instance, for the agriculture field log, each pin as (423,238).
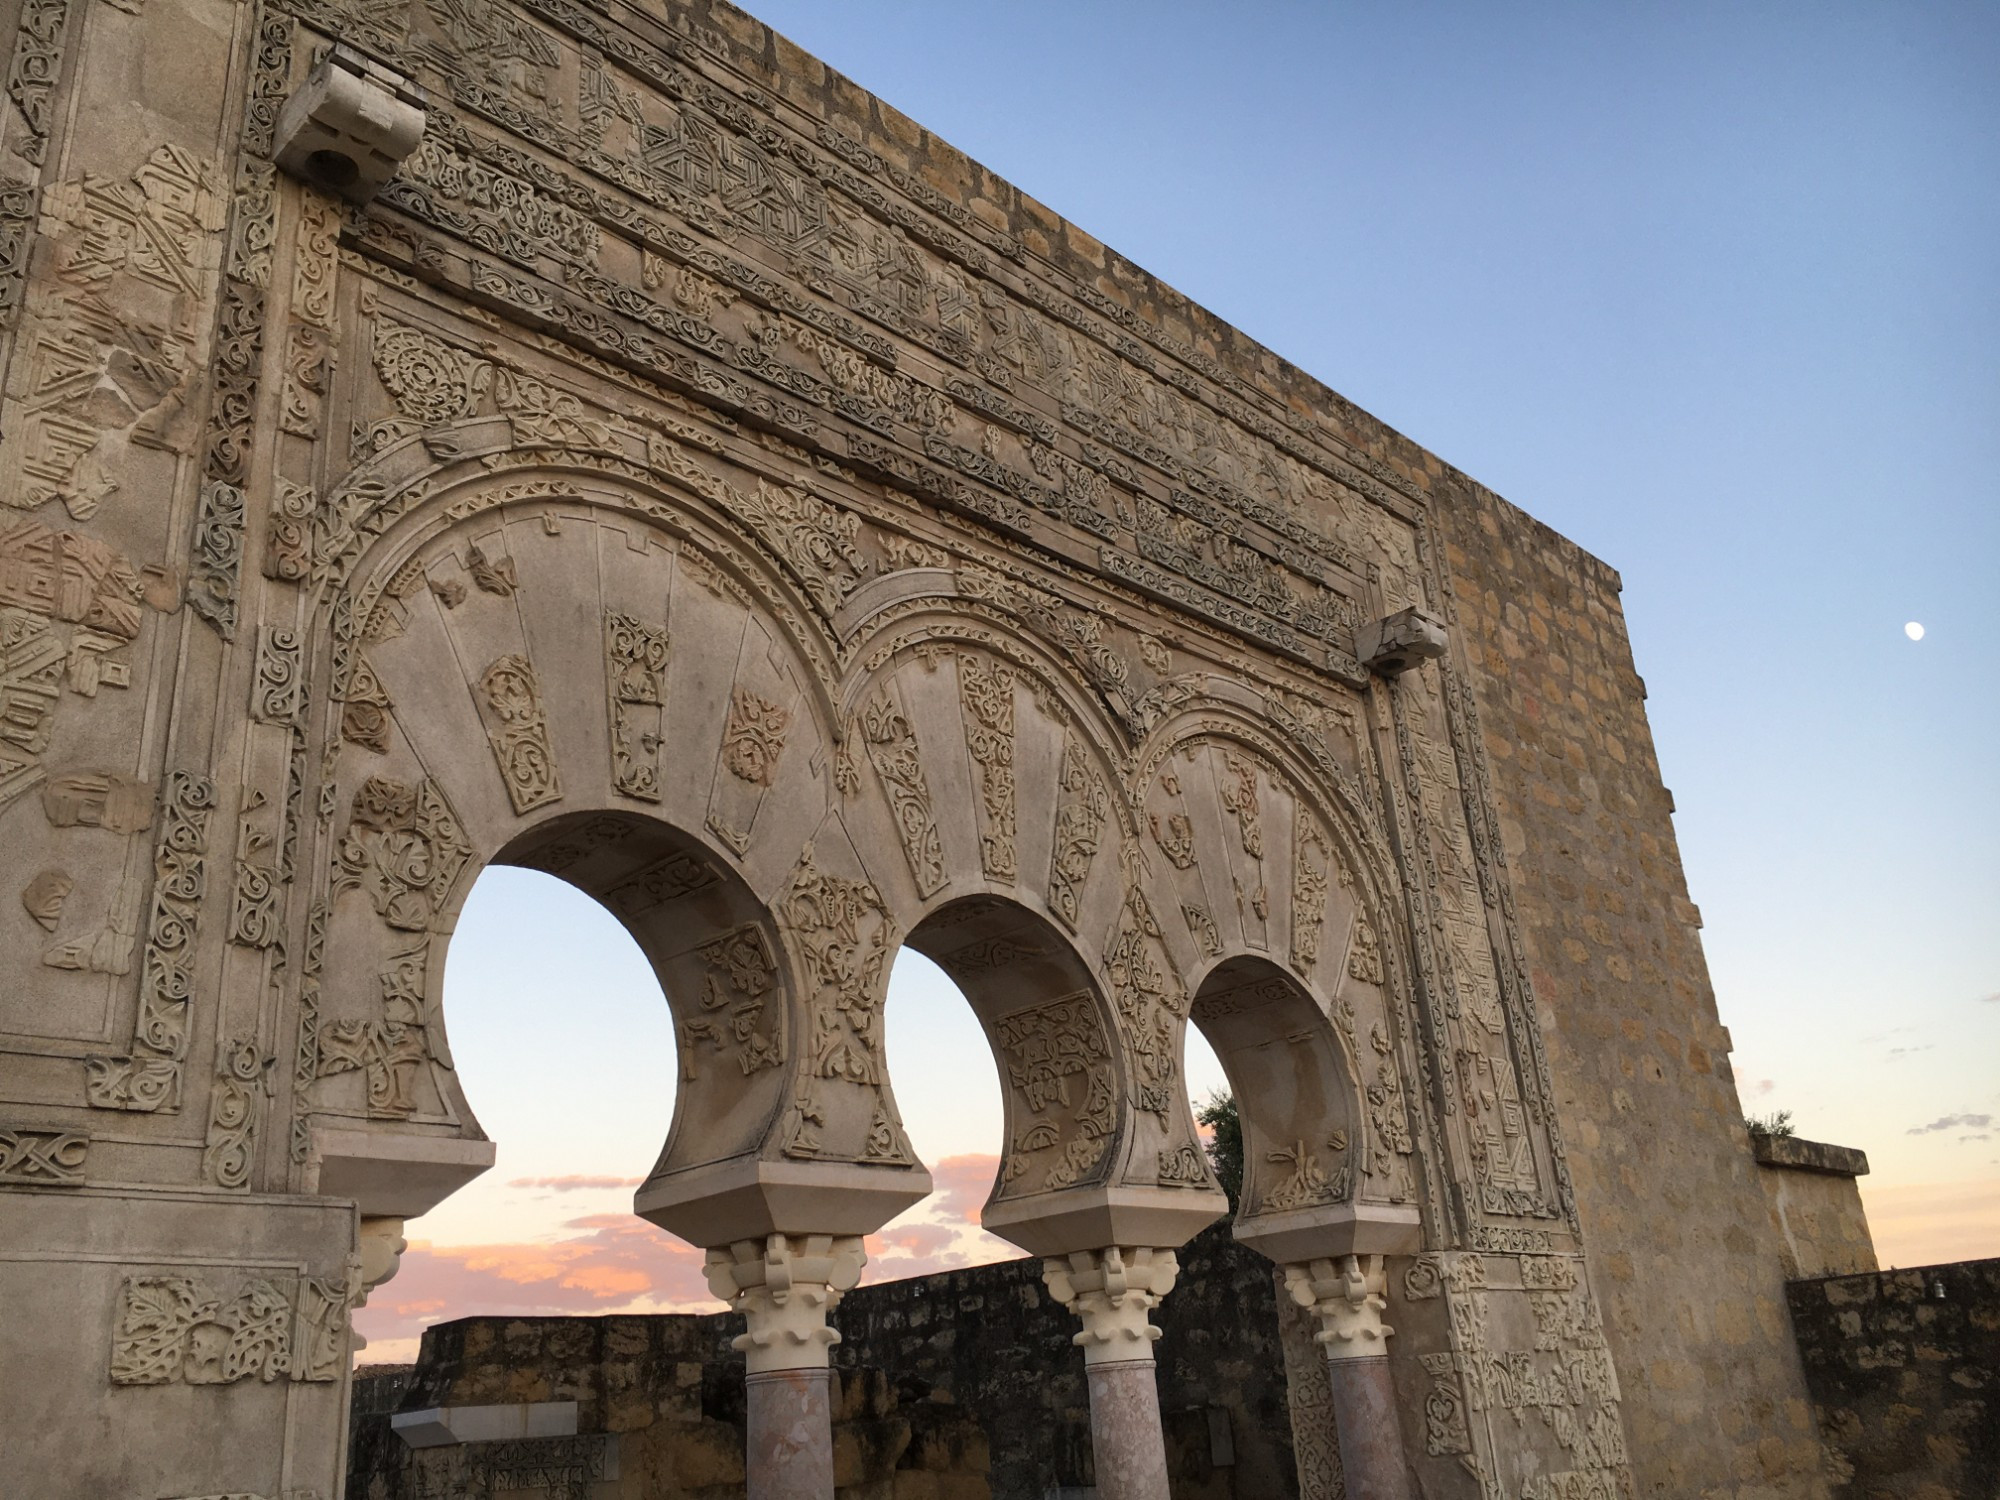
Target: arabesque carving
(510,701)
(986,694)
(754,737)
(740,1017)
(148,1080)
(1081,808)
(404,847)
(1058,1063)
(892,750)
(635,666)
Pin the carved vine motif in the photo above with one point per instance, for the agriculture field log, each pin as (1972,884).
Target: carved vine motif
(1058,1062)
(31,668)
(404,847)
(892,750)
(815,536)
(366,712)
(1207,940)
(288,546)
(1152,1003)
(179,1330)
(1082,804)
(1309,1182)
(1183,1166)
(149,1080)
(1364,957)
(739,1017)
(253,906)
(43,1158)
(635,665)
(1388,1119)
(754,737)
(1239,797)
(518,730)
(240,1083)
(308,373)
(277,690)
(37,64)
(986,695)
(392,1050)
(1311,884)
(844,942)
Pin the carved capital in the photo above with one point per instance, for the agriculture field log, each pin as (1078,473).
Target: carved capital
(1113,1291)
(785,1286)
(1348,1296)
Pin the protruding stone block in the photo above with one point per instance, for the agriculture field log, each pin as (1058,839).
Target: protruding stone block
(440,1426)
(1396,643)
(349,126)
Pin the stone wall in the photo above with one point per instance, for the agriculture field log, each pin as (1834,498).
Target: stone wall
(953,1387)
(1680,1243)
(1904,1368)
(1816,1205)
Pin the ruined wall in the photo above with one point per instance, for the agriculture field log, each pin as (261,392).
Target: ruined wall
(948,1378)
(1816,1205)
(1681,1251)
(1904,1368)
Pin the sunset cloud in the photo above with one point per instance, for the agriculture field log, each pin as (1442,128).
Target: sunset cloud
(617,1263)
(1953,1122)
(1931,1223)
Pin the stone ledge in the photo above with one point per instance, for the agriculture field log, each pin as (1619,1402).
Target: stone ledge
(1794,1154)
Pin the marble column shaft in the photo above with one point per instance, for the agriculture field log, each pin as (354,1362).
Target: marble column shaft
(788,1454)
(1365,1421)
(1127,1446)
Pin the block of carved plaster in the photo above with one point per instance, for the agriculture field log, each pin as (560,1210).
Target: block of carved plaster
(349,126)
(1348,1296)
(785,1285)
(1112,1291)
(1400,641)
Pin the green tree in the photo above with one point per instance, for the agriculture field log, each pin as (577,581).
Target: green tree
(1225,1146)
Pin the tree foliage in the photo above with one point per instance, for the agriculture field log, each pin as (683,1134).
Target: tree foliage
(1225,1145)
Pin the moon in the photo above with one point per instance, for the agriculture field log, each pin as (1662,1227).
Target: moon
(1914,631)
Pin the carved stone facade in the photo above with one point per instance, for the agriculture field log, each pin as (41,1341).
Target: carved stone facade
(674,480)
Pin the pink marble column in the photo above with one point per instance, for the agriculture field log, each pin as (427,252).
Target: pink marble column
(785,1285)
(1112,1291)
(789,1452)
(1348,1295)
(1365,1421)
(1127,1446)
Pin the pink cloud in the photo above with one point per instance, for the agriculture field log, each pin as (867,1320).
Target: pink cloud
(619,1264)
(962,1183)
(574,1183)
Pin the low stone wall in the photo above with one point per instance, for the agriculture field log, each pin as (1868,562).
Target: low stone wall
(960,1386)
(1904,1370)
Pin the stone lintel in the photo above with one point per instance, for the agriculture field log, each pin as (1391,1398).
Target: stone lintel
(1789,1152)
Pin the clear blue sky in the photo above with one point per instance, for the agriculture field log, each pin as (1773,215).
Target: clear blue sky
(1712,289)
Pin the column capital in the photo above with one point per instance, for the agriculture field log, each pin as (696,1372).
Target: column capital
(1348,1295)
(785,1285)
(1112,1290)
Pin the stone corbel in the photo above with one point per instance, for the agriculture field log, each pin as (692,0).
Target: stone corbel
(785,1286)
(349,126)
(378,1257)
(1113,1291)
(1348,1295)
(1398,642)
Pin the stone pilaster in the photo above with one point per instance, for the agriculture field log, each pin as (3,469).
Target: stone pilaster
(1112,1291)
